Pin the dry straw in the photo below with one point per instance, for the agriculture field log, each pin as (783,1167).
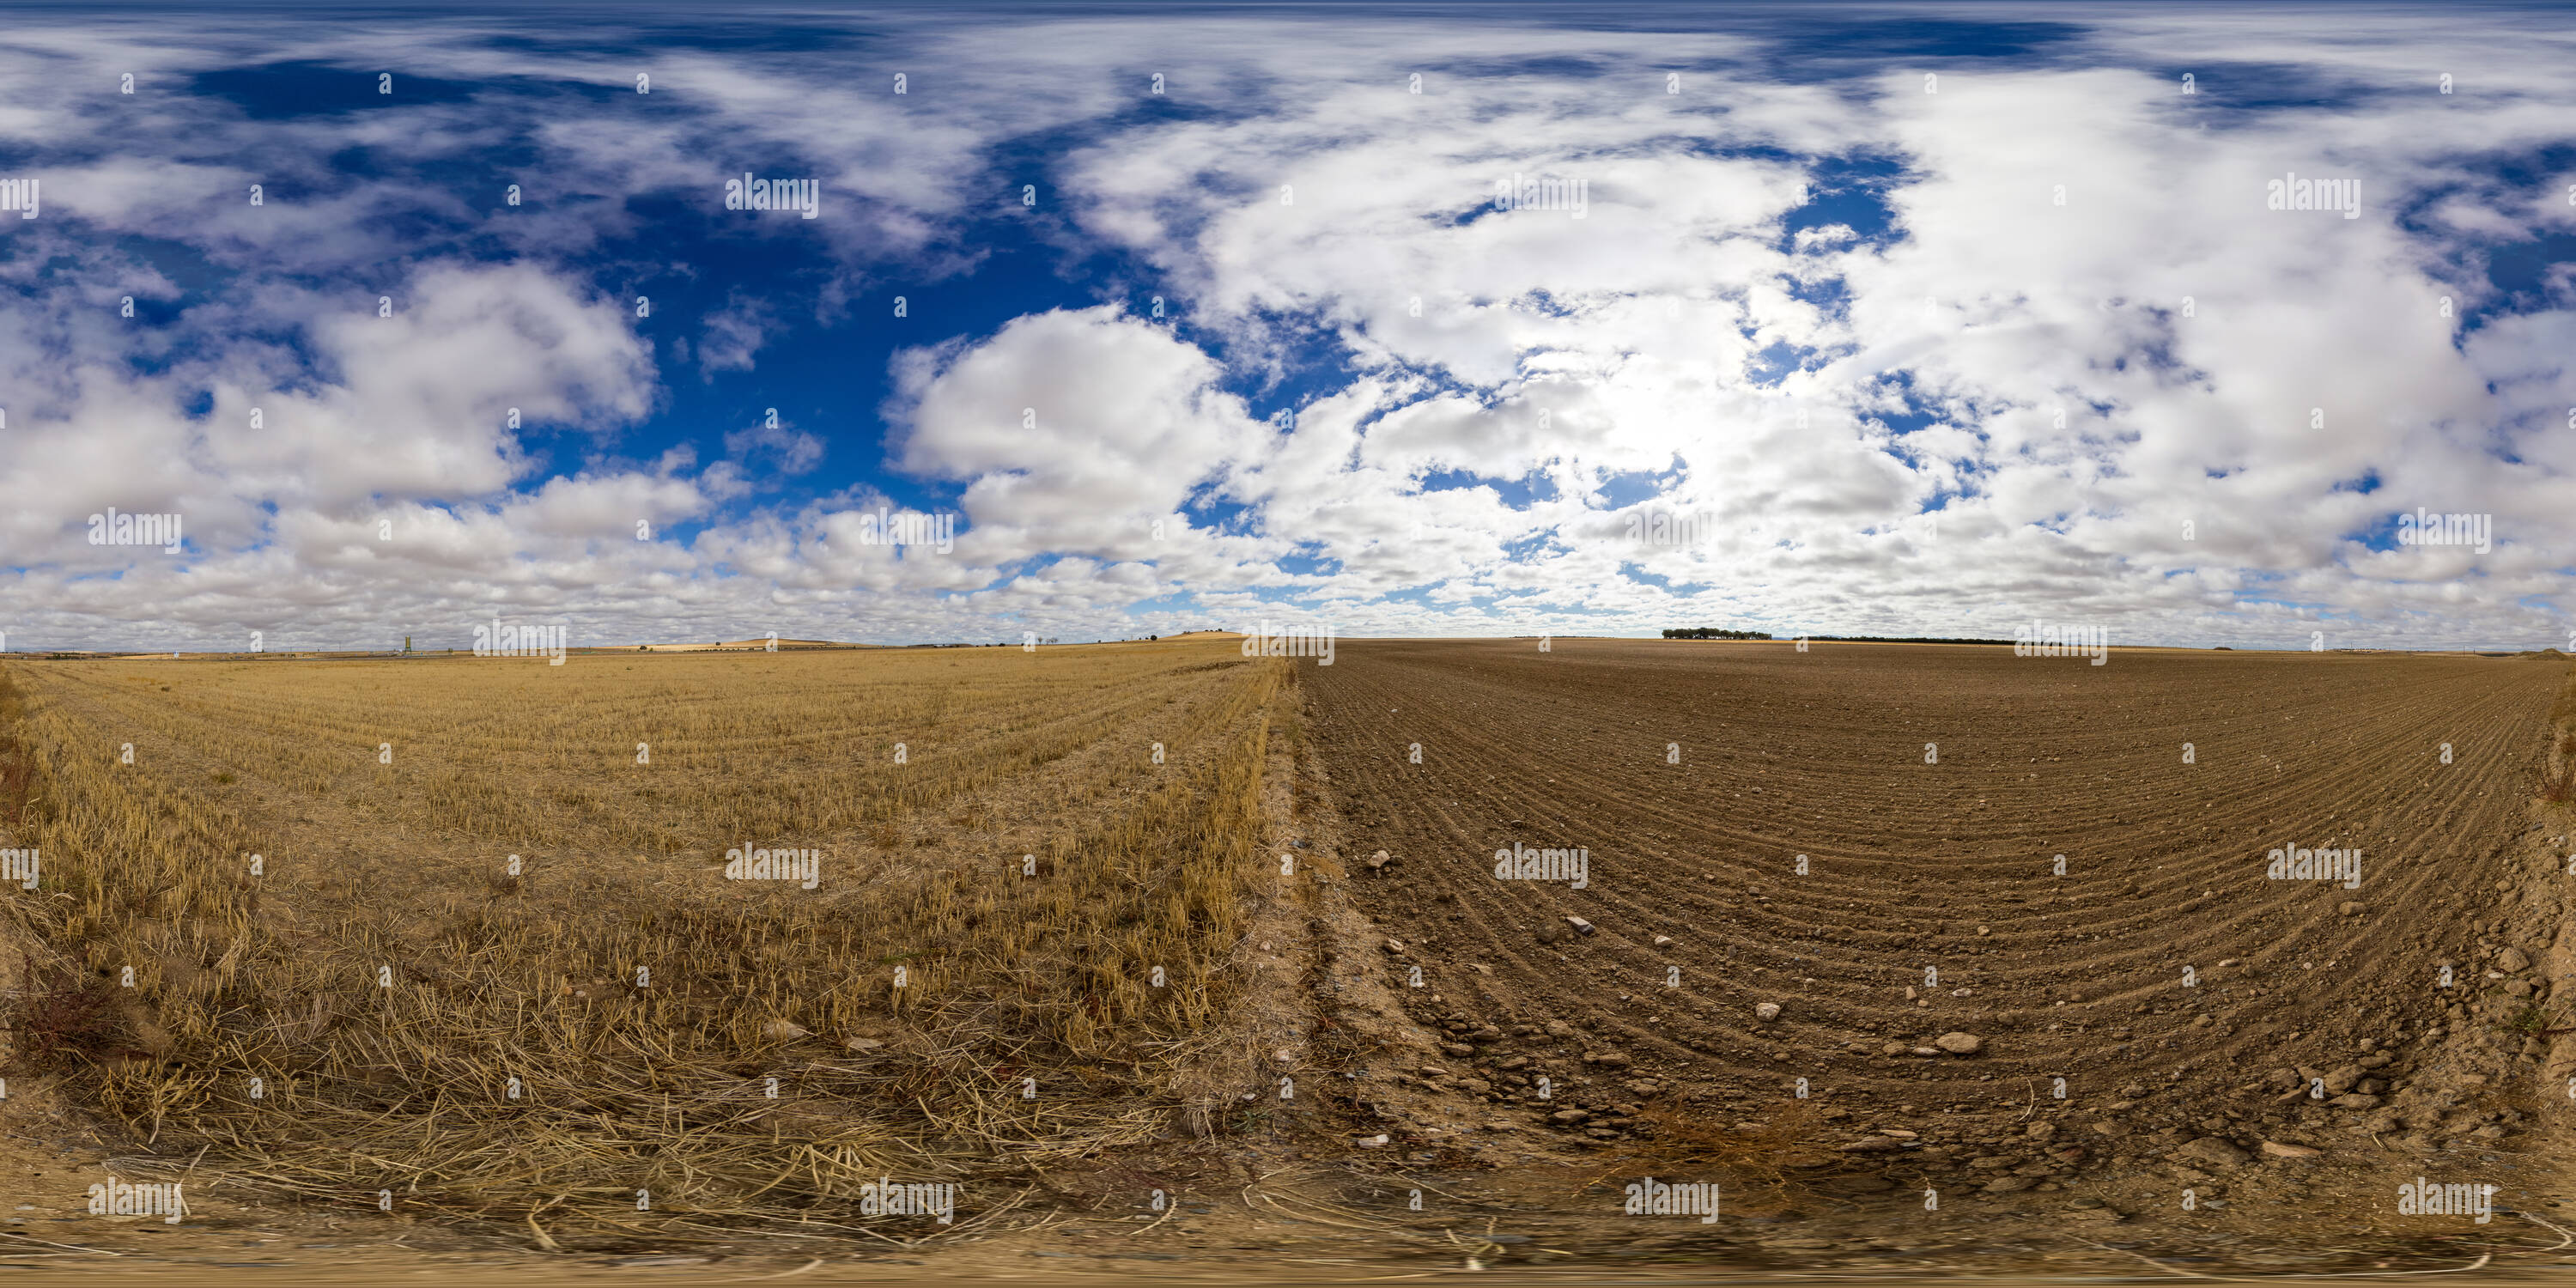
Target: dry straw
(628,1081)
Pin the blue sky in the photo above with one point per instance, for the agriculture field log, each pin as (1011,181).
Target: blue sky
(1211,315)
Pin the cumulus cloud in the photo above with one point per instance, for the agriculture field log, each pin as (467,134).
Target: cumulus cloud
(1868,354)
(1075,429)
(731,336)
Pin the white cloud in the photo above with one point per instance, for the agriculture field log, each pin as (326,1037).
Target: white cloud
(788,450)
(1486,395)
(1077,429)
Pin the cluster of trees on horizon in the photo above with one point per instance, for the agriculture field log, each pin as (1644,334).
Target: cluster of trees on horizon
(1712,633)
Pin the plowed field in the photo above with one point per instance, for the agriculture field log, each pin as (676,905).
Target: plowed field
(1700,777)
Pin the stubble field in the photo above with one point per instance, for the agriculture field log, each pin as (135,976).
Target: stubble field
(462,932)
(1090,924)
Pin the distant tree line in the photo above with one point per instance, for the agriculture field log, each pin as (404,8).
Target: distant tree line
(1712,633)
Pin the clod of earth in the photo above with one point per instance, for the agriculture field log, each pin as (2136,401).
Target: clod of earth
(2214,1152)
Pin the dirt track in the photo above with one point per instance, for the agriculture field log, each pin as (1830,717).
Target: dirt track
(1950,866)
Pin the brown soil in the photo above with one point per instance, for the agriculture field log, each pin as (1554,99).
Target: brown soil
(1914,867)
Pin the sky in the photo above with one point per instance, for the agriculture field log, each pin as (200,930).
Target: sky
(1389,320)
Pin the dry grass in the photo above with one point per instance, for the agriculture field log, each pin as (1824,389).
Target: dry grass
(1777,1162)
(626,1080)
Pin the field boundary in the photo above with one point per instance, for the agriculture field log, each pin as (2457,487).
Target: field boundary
(2554,818)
